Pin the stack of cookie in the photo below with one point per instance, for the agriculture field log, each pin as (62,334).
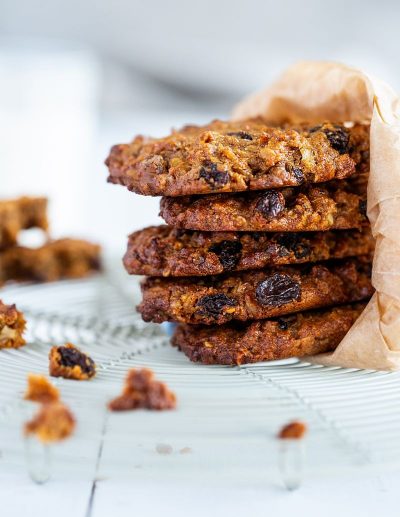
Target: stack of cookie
(54,260)
(267,252)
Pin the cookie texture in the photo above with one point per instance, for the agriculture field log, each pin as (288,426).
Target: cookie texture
(56,260)
(255,294)
(21,214)
(296,335)
(166,251)
(329,206)
(238,156)
(12,326)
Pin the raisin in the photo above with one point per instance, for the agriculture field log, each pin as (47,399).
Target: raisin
(297,173)
(241,134)
(228,253)
(293,242)
(179,233)
(277,290)
(271,204)
(339,137)
(362,207)
(209,171)
(214,304)
(71,357)
(286,321)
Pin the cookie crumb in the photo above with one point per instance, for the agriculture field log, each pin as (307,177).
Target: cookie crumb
(185,450)
(69,362)
(295,430)
(52,423)
(164,449)
(12,326)
(40,389)
(141,390)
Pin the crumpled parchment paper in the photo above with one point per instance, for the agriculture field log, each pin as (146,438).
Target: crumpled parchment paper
(319,91)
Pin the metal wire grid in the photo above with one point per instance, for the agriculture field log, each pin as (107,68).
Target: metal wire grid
(227,418)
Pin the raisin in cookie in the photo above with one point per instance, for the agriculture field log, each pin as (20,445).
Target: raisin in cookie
(69,362)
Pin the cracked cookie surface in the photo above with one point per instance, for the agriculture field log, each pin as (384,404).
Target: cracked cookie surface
(238,156)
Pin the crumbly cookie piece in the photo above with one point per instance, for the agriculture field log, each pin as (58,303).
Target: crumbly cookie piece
(165,251)
(295,335)
(255,294)
(12,326)
(21,214)
(69,362)
(56,260)
(238,156)
(295,430)
(141,390)
(52,423)
(329,206)
(40,389)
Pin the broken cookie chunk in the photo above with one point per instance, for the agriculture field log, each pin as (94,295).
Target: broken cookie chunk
(55,260)
(40,389)
(141,390)
(21,214)
(12,326)
(52,423)
(69,362)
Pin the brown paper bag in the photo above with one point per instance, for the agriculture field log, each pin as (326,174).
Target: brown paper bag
(318,91)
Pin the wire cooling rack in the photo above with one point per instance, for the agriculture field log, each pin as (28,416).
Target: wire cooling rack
(227,417)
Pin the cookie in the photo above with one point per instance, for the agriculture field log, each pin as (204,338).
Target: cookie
(255,294)
(335,205)
(56,260)
(21,214)
(238,156)
(12,326)
(296,335)
(165,251)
